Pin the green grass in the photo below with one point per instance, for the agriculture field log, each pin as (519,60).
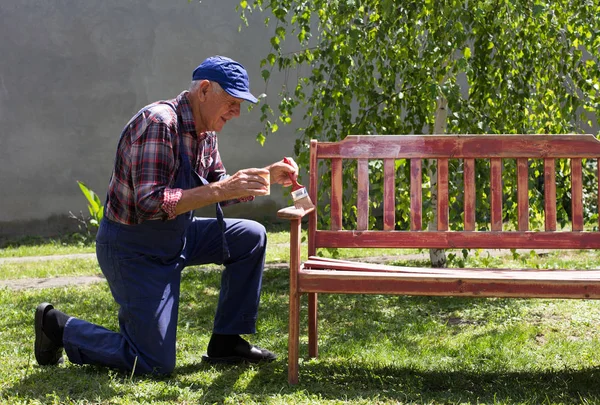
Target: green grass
(36,246)
(372,349)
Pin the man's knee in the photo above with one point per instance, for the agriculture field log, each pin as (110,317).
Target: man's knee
(162,365)
(249,233)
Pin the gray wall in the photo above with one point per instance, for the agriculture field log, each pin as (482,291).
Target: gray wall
(72,73)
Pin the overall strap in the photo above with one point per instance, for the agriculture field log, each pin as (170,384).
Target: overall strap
(186,165)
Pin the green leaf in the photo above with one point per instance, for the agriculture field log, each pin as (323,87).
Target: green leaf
(467,52)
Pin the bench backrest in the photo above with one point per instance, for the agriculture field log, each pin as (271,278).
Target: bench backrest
(469,148)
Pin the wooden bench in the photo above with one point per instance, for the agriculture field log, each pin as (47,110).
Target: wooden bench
(320,275)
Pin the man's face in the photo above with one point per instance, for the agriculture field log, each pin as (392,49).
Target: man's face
(217,108)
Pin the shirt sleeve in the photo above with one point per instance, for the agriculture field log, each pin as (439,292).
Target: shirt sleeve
(153,166)
(171,197)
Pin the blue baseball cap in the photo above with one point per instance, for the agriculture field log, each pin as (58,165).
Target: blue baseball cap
(232,76)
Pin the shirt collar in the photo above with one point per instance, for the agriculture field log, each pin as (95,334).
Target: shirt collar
(185,111)
(188,125)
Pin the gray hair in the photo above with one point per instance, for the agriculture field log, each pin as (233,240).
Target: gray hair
(216,86)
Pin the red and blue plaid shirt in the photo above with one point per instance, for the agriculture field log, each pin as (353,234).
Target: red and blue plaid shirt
(147,162)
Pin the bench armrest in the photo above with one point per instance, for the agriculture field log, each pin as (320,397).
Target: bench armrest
(293,212)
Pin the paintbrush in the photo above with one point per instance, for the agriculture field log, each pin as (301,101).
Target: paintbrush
(299,193)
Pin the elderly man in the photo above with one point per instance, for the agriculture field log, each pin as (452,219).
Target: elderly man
(168,164)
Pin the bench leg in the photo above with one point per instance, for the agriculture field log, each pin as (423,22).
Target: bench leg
(313,350)
(293,337)
(294,314)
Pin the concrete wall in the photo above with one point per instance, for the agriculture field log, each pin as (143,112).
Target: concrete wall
(72,73)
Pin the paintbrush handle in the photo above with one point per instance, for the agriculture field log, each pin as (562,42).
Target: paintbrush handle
(295,184)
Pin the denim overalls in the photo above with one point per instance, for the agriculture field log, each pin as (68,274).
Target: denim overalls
(142,264)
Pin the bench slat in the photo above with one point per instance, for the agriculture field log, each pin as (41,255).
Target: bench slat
(467,240)
(442,197)
(485,285)
(319,263)
(337,192)
(576,195)
(362,203)
(470,194)
(523,194)
(461,146)
(496,193)
(550,194)
(416,194)
(389,195)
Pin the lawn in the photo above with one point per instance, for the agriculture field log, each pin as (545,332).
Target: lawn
(373,349)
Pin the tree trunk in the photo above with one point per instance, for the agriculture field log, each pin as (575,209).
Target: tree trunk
(437,256)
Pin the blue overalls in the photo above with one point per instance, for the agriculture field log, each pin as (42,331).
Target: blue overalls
(142,264)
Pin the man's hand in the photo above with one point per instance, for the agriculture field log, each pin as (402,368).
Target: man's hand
(281,171)
(245,183)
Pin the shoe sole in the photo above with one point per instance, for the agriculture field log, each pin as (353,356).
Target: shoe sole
(233,360)
(40,311)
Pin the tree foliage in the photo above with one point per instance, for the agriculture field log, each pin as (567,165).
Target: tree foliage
(380,66)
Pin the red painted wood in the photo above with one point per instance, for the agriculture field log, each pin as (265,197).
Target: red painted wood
(337,193)
(416,194)
(550,194)
(313,192)
(461,146)
(293,212)
(458,240)
(363,195)
(484,273)
(523,194)
(496,193)
(334,276)
(294,305)
(348,282)
(389,195)
(442,197)
(576,195)
(470,194)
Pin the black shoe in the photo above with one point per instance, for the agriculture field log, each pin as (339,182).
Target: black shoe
(241,352)
(46,351)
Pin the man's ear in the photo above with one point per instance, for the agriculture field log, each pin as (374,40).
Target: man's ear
(203,90)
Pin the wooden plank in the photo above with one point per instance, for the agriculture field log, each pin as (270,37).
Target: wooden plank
(508,274)
(442,197)
(337,193)
(416,194)
(470,194)
(576,195)
(467,240)
(346,282)
(458,273)
(550,194)
(313,192)
(523,194)
(496,193)
(461,146)
(362,203)
(389,195)
(293,212)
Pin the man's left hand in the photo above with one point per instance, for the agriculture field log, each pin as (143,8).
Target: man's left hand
(281,171)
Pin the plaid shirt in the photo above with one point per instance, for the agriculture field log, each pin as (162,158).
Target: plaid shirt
(147,162)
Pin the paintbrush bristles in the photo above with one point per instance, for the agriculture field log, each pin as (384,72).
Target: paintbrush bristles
(302,199)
